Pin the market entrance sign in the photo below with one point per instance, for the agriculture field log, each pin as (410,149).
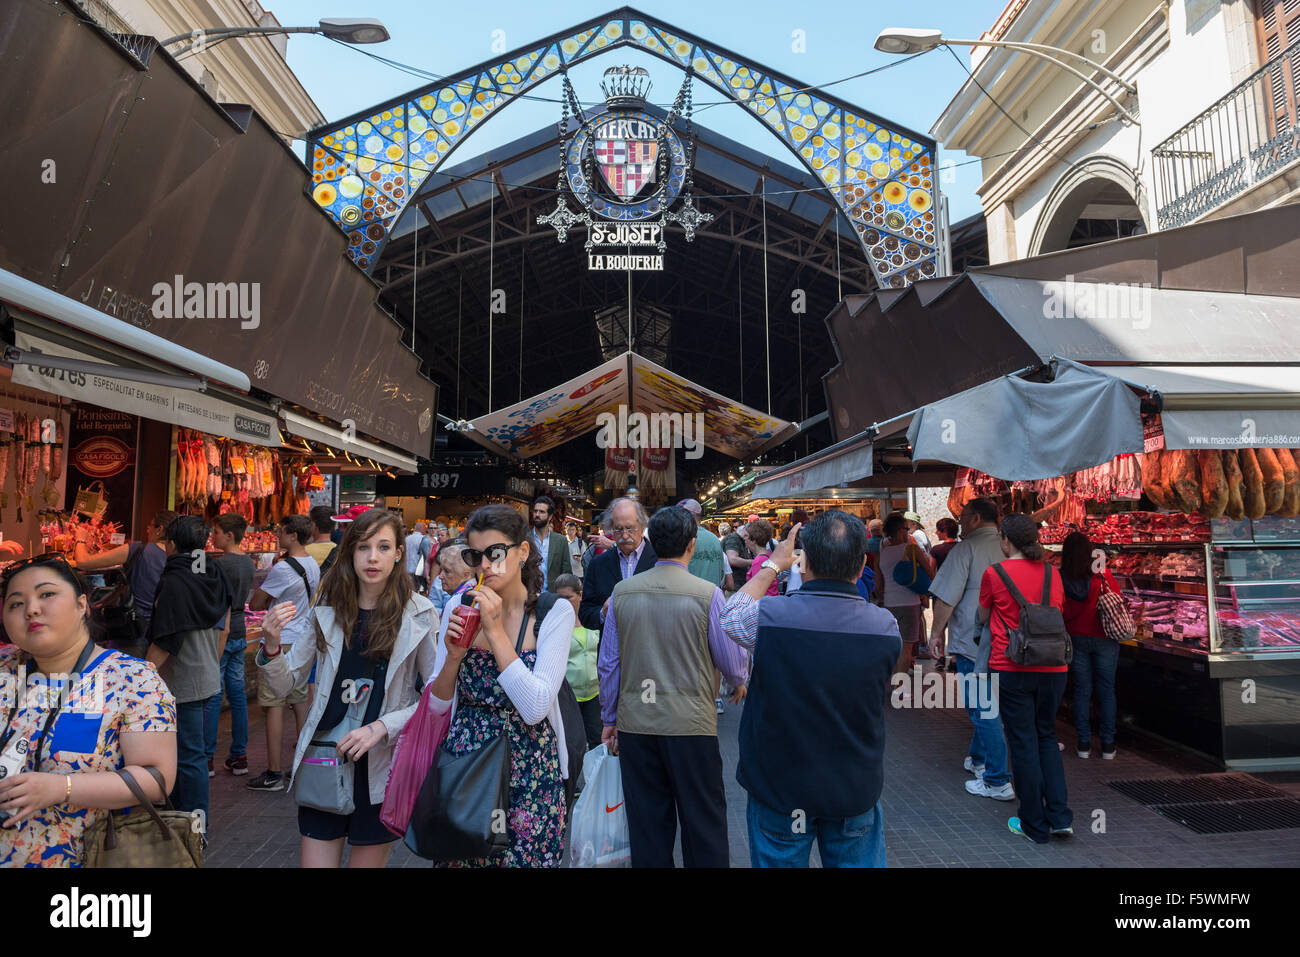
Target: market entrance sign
(626,169)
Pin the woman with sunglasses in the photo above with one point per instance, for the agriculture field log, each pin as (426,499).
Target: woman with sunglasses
(371,627)
(74,714)
(492,690)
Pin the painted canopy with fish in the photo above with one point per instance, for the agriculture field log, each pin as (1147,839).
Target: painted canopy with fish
(573,409)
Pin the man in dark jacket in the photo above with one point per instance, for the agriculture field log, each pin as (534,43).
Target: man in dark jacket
(550,545)
(632,554)
(812,736)
(185,631)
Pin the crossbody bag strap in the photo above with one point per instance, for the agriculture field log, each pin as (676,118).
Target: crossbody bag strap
(1011,586)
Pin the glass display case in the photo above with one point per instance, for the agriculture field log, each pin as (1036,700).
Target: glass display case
(1255,599)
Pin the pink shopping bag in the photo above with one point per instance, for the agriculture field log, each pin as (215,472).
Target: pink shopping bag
(414,754)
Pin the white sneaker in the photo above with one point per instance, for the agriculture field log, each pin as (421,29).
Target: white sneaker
(975,769)
(1060,745)
(718,702)
(979,788)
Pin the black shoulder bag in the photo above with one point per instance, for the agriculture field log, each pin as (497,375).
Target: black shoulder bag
(462,809)
(1039,639)
(575,730)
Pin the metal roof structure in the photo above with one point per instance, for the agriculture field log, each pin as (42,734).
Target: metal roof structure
(472,228)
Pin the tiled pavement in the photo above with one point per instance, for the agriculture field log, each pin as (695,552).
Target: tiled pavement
(930,820)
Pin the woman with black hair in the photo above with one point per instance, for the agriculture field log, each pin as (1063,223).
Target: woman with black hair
(1095,655)
(117,715)
(185,645)
(373,636)
(1027,695)
(491,689)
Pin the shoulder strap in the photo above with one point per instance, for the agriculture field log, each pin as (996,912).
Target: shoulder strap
(545,602)
(1047,583)
(1011,586)
(302,572)
(144,801)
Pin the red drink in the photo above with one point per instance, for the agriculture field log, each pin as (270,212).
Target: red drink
(469,616)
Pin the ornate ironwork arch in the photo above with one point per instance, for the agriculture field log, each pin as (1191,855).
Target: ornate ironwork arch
(883,177)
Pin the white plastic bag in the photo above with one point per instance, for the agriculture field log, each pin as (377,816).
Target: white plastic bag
(599,836)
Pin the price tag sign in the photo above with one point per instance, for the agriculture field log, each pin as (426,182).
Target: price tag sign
(6,420)
(1153,435)
(117,538)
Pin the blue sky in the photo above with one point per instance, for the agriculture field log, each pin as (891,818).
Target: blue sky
(447,38)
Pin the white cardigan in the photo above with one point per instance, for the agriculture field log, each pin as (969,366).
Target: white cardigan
(533,693)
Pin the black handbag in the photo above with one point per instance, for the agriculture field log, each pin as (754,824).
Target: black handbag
(575,729)
(462,808)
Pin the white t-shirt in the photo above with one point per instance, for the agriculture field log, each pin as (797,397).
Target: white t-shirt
(922,539)
(896,596)
(413,543)
(283,583)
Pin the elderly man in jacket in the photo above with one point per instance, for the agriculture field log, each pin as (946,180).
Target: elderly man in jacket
(812,737)
(661,642)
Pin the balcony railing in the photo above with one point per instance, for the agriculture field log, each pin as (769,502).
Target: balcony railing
(1242,140)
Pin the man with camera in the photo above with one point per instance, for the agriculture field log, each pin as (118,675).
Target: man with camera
(812,736)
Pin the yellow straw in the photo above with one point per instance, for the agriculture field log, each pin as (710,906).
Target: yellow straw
(477,586)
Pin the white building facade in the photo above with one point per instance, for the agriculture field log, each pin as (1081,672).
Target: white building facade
(249,70)
(1215,86)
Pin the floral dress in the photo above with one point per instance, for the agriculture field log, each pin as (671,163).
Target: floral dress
(84,738)
(536,816)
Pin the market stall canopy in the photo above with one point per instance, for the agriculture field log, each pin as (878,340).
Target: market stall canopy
(611,397)
(191,220)
(1222,406)
(1021,430)
(830,469)
(64,347)
(306,428)
(1223,292)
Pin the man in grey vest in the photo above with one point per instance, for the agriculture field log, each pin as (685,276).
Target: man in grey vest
(662,639)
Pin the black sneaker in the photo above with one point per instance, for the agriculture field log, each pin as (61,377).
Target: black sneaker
(237,765)
(1083,749)
(267,781)
(1108,751)
(211,773)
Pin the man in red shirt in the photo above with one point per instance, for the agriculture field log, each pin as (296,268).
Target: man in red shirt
(1028,696)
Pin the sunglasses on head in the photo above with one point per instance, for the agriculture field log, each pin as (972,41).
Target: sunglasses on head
(495,553)
(47,558)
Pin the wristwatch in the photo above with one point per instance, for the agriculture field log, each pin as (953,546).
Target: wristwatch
(776,569)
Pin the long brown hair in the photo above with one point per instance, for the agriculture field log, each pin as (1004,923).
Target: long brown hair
(339,588)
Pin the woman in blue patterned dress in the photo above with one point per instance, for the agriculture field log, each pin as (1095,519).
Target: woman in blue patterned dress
(492,690)
(116,714)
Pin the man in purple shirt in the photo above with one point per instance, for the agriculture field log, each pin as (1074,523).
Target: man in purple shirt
(662,639)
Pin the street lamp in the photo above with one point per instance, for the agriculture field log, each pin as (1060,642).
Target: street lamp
(344,29)
(910,40)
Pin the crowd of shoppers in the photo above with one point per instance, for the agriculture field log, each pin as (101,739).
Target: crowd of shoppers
(806,625)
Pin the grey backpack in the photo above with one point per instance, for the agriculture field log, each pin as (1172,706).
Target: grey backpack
(1039,640)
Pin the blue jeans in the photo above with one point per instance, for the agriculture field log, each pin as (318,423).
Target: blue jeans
(191,791)
(775,841)
(1093,669)
(232,680)
(988,746)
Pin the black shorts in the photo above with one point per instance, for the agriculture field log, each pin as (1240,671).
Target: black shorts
(362,827)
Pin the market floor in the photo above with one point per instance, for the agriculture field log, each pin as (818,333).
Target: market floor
(930,820)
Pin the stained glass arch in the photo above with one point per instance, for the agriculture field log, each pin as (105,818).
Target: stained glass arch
(366,168)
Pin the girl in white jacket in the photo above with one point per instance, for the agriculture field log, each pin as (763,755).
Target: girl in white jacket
(374,636)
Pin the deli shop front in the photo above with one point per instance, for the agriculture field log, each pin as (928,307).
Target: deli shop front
(1168,436)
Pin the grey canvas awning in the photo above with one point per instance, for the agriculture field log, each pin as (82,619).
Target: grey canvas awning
(1018,429)
(1223,406)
